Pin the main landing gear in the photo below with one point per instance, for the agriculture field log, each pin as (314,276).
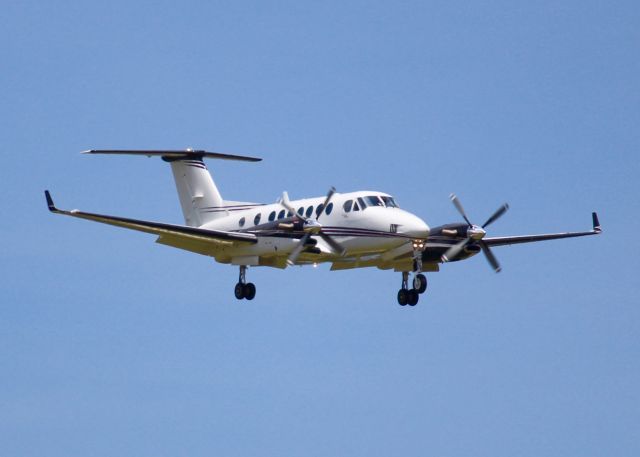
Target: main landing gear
(244,289)
(411,296)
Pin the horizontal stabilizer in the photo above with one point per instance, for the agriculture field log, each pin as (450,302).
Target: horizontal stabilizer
(174,154)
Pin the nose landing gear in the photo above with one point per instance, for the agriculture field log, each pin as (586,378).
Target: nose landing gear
(420,283)
(243,288)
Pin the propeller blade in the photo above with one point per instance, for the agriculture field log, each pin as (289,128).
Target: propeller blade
(298,249)
(287,205)
(497,215)
(285,199)
(332,191)
(333,244)
(490,257)
(459,207)
(454,250)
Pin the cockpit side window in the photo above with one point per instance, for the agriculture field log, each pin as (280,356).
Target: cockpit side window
(362,203)
(356,207)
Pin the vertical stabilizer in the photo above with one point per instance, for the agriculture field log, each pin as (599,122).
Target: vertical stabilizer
(199,196)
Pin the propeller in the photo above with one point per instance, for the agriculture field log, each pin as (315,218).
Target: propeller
(475,233)
(311,227)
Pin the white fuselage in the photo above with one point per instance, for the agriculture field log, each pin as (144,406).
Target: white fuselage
(364,223)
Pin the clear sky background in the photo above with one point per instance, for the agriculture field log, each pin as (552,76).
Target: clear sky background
(113,345)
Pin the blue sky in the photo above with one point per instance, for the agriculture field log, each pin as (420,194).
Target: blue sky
(112,344)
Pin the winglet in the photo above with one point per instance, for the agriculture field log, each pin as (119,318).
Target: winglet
(50,204)
(596,223)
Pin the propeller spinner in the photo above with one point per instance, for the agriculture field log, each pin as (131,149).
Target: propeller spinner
(475,234)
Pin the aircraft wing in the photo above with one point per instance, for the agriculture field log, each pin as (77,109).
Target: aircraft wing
(505,240)
(189,238)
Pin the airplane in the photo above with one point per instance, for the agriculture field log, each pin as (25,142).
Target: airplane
(349,230)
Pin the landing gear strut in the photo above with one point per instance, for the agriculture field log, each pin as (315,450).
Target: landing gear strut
(408,296)
(244,289)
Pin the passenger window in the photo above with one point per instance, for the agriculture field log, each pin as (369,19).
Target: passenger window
(347,206)
(272,216)
(256,220)
(289,214)
(319,210)
(301,211)
(281,214)
(241,222)
(309,211)
(329,208)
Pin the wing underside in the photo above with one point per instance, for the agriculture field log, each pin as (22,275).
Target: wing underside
(201,241)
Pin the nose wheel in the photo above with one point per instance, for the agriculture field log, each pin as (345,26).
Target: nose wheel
(244,289)
(411,296)
(420,283)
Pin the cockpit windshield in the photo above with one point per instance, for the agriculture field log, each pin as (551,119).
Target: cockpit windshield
(373,200)
(361,203)
(389,202)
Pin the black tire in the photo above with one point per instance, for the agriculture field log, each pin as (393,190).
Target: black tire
(413,297)
(423,283)
(249,291)
(239,291)
(403,297)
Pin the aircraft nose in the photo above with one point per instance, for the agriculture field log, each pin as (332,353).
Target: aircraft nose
(415,227)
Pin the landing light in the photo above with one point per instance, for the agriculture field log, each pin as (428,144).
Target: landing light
(418,244)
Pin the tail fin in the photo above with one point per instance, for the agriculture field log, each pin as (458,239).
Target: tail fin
(199,196)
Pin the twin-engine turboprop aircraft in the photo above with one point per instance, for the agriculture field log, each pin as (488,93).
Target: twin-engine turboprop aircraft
(349,230)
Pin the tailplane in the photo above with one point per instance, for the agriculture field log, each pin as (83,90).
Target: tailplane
(199,197)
